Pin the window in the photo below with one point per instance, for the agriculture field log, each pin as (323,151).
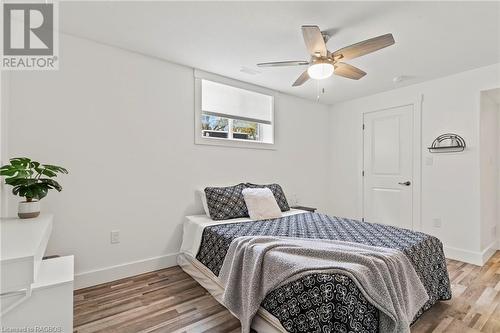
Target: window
(230,115)
(214,126)
(246,130)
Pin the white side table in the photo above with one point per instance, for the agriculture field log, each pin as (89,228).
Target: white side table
(33,292)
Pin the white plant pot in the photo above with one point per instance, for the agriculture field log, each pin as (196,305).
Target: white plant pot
(28,209)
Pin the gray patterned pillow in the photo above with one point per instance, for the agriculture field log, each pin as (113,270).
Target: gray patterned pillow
(226,202)
(279,195)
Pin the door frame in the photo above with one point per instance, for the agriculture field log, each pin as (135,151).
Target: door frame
(417,104)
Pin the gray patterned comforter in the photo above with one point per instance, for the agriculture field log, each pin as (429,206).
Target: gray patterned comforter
(331,302)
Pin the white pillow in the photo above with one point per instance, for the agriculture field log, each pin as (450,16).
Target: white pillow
(261,203)
(203,198)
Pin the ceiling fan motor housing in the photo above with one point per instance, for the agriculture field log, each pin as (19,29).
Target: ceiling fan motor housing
(325,35)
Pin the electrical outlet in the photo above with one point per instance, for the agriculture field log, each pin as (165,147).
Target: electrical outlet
(115,236)
(436,222)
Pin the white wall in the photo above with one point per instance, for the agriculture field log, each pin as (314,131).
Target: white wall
(4,105)
(450,186)
(123,124)
(489,136)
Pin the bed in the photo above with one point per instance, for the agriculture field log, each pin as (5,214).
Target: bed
(301,305)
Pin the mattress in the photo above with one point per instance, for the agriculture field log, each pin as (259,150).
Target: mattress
(302,305)
(195,224)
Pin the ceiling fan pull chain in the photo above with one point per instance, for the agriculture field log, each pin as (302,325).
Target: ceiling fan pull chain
(319,91)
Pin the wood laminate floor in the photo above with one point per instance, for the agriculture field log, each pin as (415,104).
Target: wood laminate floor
(169,300)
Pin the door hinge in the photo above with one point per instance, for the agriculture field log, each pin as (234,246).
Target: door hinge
(362,219)
(363,126)
(363,173)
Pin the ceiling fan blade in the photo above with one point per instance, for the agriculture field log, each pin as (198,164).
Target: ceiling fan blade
(283,63)
(314,40)
(348,71)
(365,47)
(301,80)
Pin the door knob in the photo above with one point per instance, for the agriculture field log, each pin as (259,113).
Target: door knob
(406,183)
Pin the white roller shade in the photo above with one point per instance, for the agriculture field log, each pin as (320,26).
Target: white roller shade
(226,101)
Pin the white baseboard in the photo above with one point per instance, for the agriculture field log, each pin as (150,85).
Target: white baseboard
(471,257)
(489,251)
(107,274)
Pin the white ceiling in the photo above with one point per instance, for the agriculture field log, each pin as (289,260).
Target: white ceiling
(433,39)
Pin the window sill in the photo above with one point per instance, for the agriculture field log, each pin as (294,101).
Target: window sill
(233,143)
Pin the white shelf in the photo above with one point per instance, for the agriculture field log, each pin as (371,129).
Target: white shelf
(35,293)
(51,300)
(23,243)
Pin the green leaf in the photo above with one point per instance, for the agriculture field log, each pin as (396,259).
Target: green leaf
(39,191)
(20,181)
(49,173)
(34,164)
(16,190)
(23,174)
(38,169)
(23,191)
(55,168)
(7,166)
(51,183)
(8,170)
(20,161)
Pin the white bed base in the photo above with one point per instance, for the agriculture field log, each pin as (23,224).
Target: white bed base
(263,321)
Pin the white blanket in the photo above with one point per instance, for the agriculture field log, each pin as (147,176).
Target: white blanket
(254,266)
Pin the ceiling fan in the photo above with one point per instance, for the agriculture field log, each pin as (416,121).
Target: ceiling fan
(324,63)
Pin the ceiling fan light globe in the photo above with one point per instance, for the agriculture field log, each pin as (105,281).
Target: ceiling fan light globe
(320,71)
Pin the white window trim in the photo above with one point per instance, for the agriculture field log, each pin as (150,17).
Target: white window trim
(235,143)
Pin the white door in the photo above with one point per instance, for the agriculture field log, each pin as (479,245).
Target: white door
(388,164)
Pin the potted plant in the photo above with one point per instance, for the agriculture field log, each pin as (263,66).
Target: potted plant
(31,180)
